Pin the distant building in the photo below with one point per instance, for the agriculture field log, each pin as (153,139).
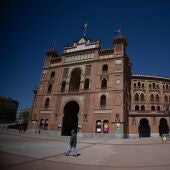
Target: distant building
(93,90)
(23,115)
(150,103)
(8,108)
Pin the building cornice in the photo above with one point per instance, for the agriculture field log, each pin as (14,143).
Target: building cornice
(141,76)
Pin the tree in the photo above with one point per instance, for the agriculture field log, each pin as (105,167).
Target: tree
(23,116)
(8,108)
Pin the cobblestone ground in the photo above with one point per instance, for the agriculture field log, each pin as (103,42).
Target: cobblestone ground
(45,151)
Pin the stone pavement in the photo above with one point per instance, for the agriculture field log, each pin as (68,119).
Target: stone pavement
(46,151)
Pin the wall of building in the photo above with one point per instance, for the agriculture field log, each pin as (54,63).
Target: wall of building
(109,66)
(150,99)
(119,115)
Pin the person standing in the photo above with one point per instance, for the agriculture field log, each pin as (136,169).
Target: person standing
(20,128)
(72,143)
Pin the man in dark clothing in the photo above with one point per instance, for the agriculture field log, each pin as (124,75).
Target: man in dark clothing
(73,143)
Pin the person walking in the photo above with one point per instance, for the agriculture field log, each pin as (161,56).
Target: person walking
(72,143)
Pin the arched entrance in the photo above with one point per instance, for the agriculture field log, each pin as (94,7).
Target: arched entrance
(46,125)
(144,128)
(70,119)
(98,126)
(163,127)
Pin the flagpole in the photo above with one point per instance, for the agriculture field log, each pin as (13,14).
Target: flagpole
(85,29)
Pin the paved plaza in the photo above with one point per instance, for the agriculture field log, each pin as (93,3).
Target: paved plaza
(46,152)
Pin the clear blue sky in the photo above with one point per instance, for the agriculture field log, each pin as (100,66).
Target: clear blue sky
(27,27)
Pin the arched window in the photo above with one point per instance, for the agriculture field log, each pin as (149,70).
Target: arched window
(136,97)
(49,88)
(75,79)
(52,75)
(142,97)
(139,84)
(154,86)
(167,108)
(157,97)
(104,84)
(166,98)
(63,86)
(86,83)
(105,126)
(143,85)
(152,108)
(47,101)
(158,108)
(98,126)
(103,101)
(166,86)
(150,86)
(152,97)
(105,68)
(137,108)
(134,85)
(142,108)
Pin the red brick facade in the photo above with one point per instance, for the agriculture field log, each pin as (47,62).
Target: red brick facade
(92,89)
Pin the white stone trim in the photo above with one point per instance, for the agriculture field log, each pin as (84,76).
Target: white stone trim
(103,111)
(45,111)
(155,135)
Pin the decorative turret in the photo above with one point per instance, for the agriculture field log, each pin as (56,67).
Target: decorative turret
(52,56)
(120,40)
(52,51)
(120,44)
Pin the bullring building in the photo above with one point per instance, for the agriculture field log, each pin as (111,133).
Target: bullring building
(93,90)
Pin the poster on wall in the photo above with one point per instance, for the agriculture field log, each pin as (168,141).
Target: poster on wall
(118,131)
(106,128)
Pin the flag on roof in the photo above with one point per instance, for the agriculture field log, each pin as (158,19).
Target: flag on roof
(85,28)
(118,31)
(85,25)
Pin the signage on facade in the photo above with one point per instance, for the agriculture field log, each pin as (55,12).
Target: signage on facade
(81,47)
(103,111)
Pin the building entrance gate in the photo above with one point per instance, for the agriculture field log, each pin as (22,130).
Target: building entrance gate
(163,127)
(70,118)
(144,128)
